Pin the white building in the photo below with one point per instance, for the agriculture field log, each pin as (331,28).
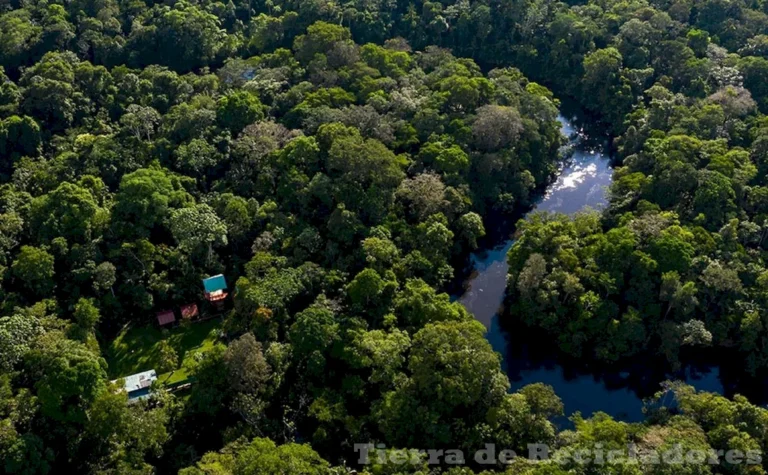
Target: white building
(137,385)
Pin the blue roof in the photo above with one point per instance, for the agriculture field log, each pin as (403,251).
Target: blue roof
(217,282)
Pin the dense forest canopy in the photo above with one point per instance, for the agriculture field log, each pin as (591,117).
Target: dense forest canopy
(336,162)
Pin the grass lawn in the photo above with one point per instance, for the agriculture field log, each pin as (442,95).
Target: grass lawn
(136,348)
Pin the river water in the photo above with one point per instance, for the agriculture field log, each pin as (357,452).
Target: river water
(581,184)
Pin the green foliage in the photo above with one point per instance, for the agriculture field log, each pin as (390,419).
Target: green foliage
(72,378)
(70,212)
(18,335)
(418,304)
(337,184)
(198,228)
(312,336)
(239,109)
(261,456)
(34,267)
(19,136)
(182,37)
(86,314)
(141,349)
(443,383)
(168,359)
(144,200)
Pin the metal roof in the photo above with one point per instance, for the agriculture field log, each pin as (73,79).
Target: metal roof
(165,317)
(138,381)
(214,283)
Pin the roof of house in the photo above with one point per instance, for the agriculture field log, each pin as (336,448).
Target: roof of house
(214,283)
(189,310)
(139,381)
(165,317)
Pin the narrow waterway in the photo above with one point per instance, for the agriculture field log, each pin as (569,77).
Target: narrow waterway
(581,184)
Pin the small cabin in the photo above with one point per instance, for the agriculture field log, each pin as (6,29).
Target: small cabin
(215,288)
(165,317)
(137,385)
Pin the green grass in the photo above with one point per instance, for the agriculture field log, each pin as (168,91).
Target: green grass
(136,349)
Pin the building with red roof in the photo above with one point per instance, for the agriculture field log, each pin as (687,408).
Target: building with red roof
(165,317)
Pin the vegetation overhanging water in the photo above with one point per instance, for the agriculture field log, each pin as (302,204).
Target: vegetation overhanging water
(528,358)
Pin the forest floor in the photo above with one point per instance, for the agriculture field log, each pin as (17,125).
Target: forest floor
(136,349)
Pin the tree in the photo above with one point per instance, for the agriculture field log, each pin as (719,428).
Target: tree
(680,296)
(86,314)
(144,201)
(755,71)
(603,84)
(183,37)
(141,121)
(9,94)
(17,336)
(464,93)
(369,293)
(120,435)
(19,136)
(197,156)
(542,400)
(71,378)
(470,227)
(720,278)
(34,267)
(695,333)
(320,38)
(239,109)
(248,374)
(198,228)
(672,249)
(523,416)
(248,371)
(714,198)
(20,35)
(380,253)
(419,304)
(698,40)
(312,336)
(496,127)
(261,456)
(368,172)
(25,453)
(443,383)
(238,214)
(50,100)
(70,211)
(384,353)
(435,240)
(445,159)
(104,277)
(424,195)
(168,358)
(531,275)
(735,101)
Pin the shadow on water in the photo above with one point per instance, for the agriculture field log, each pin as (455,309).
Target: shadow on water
(586,387)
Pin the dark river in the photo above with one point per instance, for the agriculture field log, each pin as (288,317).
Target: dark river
(583,387)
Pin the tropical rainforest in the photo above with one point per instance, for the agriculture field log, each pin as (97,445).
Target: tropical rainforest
(337,162)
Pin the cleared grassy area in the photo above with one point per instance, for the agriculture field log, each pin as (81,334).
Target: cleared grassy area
(136,348)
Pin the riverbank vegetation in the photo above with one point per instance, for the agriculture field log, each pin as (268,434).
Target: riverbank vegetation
(677,259)
(334,162)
